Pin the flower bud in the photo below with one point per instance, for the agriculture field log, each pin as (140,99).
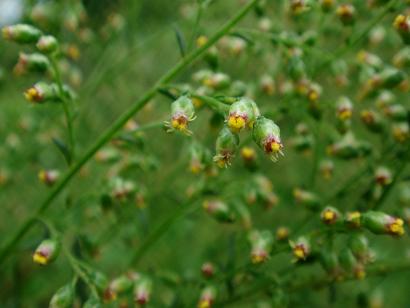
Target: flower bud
(383,176)
(330,263)
(402,58)
(359,245)
(47,44)
(41,92)
(142,290)
(402,25)
(327,5)
(330,215)
(208,270)
(282,233)
(207,298)
(266,134)
(242,114)
(46,252)
(99,280)
(117,286)
(372,120)
(63,298)
(344,109)
(350,264)
(267,85)
(248,155)
(219,210)
(401,131)
(183,112)
(306,198)
(348,148)
(381,223)
(48,177)
(326,168)
(226,146)
(391,78)
(261,245)
(396,112)
(21,33)
(404,194)
(352,219)
(35,62)
(217,81)
(300,248)
(299,6)
(346,13)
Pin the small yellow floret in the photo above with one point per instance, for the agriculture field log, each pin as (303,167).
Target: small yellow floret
(201,40)
(275,146)
(299,253)
(39,258)
(399,21)
(31,94)
(236,123)
(345,114)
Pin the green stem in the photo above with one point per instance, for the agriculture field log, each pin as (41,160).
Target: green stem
(119,123)
(213,103)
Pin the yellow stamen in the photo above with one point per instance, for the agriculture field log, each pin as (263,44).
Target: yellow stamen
(299,253)
(275,146)
(42,176)
(345,114)
(399,21)
(313,96)
(329,215)
(39,258)
(178,124)
(397,227)
(31,94)
(236,123)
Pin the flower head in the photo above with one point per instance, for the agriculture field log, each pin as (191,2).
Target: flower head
(266,134)
(242,115)
(182,112)
(46,252)
(226,146)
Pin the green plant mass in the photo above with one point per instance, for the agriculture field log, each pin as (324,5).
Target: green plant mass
(204,153)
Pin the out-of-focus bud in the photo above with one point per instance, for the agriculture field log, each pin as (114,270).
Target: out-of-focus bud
(226,147)
(330,263)
(377,35)
(346,14)
(242,115)
(352,219)
(47,44)
(327,5)
(207,298)
(396,112)
(381,223)
(261,245)
(326,168)
(266,135)
(359,245)
(21,33)
(41,92)
(48,177)
(404,194)
(307,199)
(391,78)
(372,120)
(47,251)
(348,148)
(217,81)
(369,59)
(265,24)
(267,85)
(282,233)
(383,176)
(298,7)
(208,270)
(142,290)
(219,210)
(199,158)
(296,66)
(248,155)
(34,62)
(100,281)
(402,58)
(330,215)
(401,131)
(63,298)
(344,109)
(182,112)
(301,249)
(402,25)
(117,286)
(121,189)
(351,265)
(92,303)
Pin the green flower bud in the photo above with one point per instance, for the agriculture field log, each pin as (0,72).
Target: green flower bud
(266,134)
(359,245)
(381,223)
(348,148)
(383,176)
(326,168)
(352,219)
(350,264)
(302,143)
(63,298)
(330,263)
(226,146)
(42,92)
(296,67)
(21,33)
(391,77)
(307,198)
(208,296)
(344,109)
(404,194)
(396,112)
(330,215)
(118,286)
(47,44)
(208,269)
(401,131)
(34,62)
(327,5)
(402,26)
(346,14)
(47,251)
(217,81)
(142,290)
(99,280)
(301,249)
(402,58)
(219,210)
(372,120)
(182,112)
(261,245)
(242,114)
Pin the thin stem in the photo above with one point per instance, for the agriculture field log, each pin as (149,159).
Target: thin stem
(119,123)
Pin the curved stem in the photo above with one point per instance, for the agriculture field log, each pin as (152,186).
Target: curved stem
(119,123)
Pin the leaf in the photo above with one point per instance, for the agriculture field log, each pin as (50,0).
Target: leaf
(63,149)
(181,41)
